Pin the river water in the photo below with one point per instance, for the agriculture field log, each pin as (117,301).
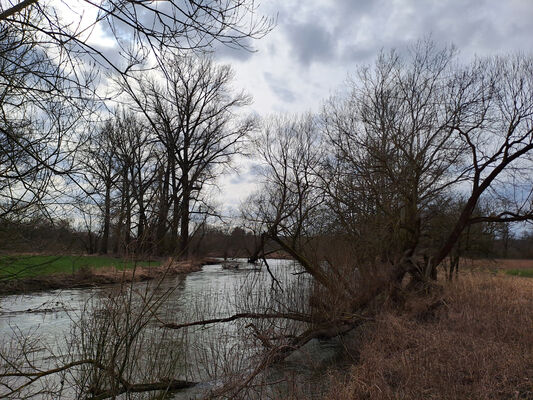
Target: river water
(52,317)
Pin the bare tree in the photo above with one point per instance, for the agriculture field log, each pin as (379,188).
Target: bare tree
(412,132)
(100,357)
(289,204)
(177,25)
(194,122)
(51,71)
(98,157)
(394,151)
(353,198)
(497,127)
(35,124)
(136,170)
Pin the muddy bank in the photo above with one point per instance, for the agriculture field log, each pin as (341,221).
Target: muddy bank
(102,276)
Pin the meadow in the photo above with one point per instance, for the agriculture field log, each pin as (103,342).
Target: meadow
(30,266)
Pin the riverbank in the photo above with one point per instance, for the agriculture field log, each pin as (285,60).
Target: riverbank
(91,277)
(472,340)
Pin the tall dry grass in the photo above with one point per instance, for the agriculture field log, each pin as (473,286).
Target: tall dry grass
(474,340)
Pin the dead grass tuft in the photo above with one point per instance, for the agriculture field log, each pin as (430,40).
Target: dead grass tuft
(475,341)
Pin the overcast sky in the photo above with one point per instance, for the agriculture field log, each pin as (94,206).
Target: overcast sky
(317,43)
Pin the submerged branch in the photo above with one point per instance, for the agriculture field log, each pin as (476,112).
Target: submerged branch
(125,386)
(169,386)
(279,353)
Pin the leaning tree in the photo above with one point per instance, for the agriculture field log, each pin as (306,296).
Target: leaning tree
(352,195)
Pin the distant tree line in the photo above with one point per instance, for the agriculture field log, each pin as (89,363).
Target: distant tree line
(61,236)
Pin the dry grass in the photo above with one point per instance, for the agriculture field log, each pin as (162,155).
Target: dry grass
(473,341)
(496,264)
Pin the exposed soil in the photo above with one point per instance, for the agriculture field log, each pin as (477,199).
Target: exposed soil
(103,276)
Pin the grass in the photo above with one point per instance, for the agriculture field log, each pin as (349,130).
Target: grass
(513,267)
(526,273)
(23,266)
(477,344)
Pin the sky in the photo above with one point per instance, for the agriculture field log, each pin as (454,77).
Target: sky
(316,44)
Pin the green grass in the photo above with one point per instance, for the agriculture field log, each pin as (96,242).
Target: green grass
(31,266)
(527,273)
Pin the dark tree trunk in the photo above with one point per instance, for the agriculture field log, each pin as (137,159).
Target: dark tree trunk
(176,212)
(141,226)
(127,227)
(107,219)
(163,213)
(184,231)
(119,227)
(186,198)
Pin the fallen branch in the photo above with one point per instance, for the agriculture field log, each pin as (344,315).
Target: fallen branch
(279,353)
(125,386)
(293,316)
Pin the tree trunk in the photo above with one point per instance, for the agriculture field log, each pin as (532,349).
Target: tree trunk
(127,227)
(141,226)
(107,219)
(186,198)
(118,230)
(175,213)
(184,231)
(163,213)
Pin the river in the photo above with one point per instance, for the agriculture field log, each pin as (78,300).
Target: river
(54,317)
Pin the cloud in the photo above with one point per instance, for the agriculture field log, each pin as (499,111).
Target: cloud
(280,88)
(347,31)
(316,43)
(237,179)
(243,54)
(311,42)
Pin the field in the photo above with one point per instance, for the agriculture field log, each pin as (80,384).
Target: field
(29,266)
(524,273)
(522,268)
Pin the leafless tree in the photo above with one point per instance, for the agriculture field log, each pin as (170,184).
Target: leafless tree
(497,128)
(35,124)
(194,122)
(52,71)
(394,152)
(289,204)
(175,25)
(100,357)
(352,195)
(412,132)
(98,157)
(135,158)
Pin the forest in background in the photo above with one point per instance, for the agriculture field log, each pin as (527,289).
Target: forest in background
(43,237)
